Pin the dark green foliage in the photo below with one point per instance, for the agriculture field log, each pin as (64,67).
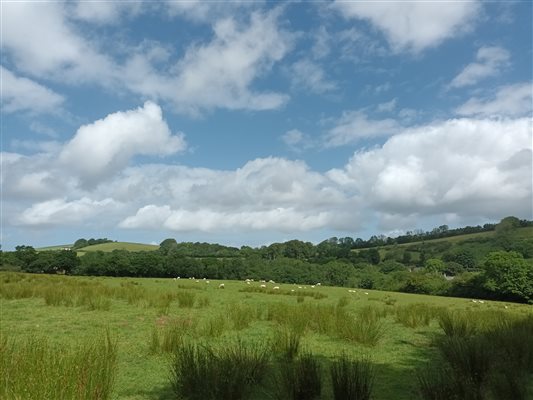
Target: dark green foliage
(508,274)
(286,343)
(352,379)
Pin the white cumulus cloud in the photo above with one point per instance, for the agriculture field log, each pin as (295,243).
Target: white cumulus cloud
(104,147)
(461,166)
(413,25)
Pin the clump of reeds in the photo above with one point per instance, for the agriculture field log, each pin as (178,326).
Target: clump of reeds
(352,379)
(228,372)
(35,369)
(300,379)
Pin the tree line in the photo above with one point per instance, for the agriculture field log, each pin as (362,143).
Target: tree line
(497,267)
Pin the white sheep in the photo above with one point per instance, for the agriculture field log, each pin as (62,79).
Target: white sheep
(318,284)
(263,286)
(481,301)
(221,286)
(312,287)
(206,281)
(271,281)
(474,301)
(299,287)
(366,292)
(276,288)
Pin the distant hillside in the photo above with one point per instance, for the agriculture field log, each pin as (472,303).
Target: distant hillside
(108,247)
(478,245)
(57,247)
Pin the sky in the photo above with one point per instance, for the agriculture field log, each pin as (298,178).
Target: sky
(251,122)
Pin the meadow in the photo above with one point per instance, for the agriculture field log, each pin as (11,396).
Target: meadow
(149,338)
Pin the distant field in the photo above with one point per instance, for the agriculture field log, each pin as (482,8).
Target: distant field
(58,247)
(141,314)
(107,247)
(520,233)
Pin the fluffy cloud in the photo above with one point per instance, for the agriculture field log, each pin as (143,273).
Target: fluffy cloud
(105,146)
(355,125)
(463,166)
(41,42)
(489,62)
(509,100)
(22,94)
(219,73)
(279,219)
(62,212)
(413,26)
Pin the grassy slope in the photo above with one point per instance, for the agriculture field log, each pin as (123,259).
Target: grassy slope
(142,375)
(107,247)
(520,233)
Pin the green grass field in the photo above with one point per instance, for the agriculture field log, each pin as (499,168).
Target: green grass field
(56,247)
(139,315)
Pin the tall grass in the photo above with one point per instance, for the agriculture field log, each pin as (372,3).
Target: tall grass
(365,328)
(35,369)
(415,315)
(493,361)
(241,315)
(286,343)
(352,379)
(225,373)
(300,379)
(458,323)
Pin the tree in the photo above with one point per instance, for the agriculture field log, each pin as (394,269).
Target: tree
(509,275)
(78,244)
(435,265)
(167,245)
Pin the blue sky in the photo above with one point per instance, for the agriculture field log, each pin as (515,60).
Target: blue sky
(247,123)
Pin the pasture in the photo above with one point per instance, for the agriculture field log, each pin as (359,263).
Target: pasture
(150,333)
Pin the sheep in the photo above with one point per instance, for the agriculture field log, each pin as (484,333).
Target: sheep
(247,280)
(276,288)
(263,286)
(221,286)
(197,281)
(271,281)
(312,287)
(366,292)
(474,301)
(248,283)
(299,287)
(292,290)
(481,301)
(206,282)
(318,284)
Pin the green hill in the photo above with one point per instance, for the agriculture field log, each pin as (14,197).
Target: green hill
(108,247)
